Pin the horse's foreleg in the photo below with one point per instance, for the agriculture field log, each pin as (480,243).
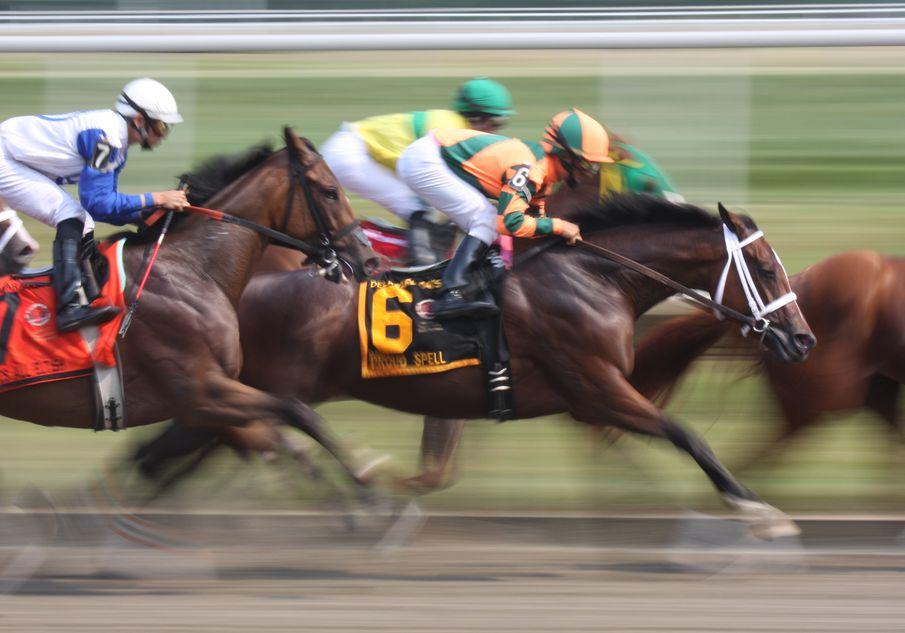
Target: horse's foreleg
(614,401)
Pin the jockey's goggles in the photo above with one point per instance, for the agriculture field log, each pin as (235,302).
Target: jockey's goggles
(586,166)
(160,128)
(493,120)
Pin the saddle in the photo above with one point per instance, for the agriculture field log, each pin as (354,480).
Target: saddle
(32,351)
(399,337)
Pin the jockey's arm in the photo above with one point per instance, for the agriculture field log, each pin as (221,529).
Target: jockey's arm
(515,197)
(99,181)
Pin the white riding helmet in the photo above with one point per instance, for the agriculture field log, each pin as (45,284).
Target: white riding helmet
(150,98)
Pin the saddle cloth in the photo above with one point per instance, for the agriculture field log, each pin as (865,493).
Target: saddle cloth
(31,349)
(398,337)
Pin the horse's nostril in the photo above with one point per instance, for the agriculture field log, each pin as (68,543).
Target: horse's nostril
(371,265)
(804,342)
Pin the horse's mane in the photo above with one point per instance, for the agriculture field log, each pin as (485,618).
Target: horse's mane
(204,181)
(624,209)
(217,172)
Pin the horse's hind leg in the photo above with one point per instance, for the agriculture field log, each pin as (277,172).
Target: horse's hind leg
(614,401)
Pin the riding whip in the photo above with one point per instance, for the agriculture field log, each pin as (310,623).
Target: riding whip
(127,320)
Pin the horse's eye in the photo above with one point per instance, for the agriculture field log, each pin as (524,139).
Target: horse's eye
(766,273)
(331,194)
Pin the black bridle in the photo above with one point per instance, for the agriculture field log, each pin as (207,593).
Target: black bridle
(323,254)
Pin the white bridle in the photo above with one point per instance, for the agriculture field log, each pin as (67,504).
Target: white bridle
(15,225)
(759,310)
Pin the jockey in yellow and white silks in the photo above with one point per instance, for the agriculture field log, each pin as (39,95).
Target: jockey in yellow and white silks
(363,154)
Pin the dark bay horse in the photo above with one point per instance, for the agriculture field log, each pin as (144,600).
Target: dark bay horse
(855,304)
(569,318)
(182,355)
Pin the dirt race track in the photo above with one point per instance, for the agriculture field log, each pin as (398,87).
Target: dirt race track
(450,582)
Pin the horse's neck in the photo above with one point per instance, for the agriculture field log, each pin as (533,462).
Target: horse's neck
(227,253)
(221,252)
(690,256)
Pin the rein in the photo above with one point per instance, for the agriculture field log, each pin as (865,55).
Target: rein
(272,234)
(756,322)
(323,254)
(758,325)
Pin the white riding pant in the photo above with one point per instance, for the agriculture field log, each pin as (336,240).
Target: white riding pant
(423,169)
(347,156)
(34,194)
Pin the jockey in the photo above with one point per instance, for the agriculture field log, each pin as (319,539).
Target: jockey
(633,170)
(460,171)
(363,154)
(40,153)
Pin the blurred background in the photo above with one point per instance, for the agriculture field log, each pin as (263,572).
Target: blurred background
(809,141)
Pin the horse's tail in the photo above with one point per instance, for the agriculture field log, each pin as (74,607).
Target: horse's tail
(664,354)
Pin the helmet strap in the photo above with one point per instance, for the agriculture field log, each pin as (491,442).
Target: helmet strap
(143,129)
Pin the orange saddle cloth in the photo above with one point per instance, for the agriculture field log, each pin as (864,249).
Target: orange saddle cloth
(31,349)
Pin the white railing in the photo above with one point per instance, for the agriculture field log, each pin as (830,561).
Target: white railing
(871,24)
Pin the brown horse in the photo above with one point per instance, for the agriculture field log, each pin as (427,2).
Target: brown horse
(182,355)
(855,303)
(571,349)
(17,247)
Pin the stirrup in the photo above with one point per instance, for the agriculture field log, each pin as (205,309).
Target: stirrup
(75,317)
(454,305)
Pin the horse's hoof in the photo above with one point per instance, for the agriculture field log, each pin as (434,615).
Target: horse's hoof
(764,521)
(372,469)
(776,528)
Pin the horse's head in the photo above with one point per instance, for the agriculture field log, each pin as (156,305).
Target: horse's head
(761,288)
(17,247)
(327,219)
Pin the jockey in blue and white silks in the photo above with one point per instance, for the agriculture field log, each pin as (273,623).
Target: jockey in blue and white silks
(39,153)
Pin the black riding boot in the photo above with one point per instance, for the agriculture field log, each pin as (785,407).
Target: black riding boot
(67,281)
(421,252)
(460,289)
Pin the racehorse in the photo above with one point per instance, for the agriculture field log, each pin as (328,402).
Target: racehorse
(17,247)
(569,316)
(855,304)
(182,355)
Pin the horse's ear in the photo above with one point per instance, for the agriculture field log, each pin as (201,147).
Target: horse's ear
(303,148)
(727,218)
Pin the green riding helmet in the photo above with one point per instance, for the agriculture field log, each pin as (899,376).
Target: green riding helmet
(483,96)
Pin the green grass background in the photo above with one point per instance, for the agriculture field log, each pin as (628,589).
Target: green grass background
(810,142)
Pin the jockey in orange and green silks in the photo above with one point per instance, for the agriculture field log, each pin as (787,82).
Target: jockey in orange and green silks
(460,171)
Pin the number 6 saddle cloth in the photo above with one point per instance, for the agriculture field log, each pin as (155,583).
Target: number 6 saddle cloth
(32,351)
(398,336)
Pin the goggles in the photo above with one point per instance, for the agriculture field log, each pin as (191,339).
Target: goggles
(586,166)
(159,127)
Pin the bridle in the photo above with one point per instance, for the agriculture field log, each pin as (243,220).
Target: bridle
(759,310)
(756,322)
(322,252)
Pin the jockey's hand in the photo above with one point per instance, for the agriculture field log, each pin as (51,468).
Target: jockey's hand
(170,199)
(570,232)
